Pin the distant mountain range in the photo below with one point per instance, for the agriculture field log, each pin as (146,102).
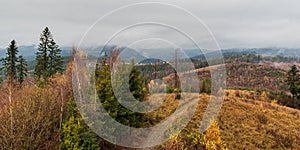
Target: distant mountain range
(28,52)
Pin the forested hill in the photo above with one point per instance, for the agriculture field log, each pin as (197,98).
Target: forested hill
(28,52)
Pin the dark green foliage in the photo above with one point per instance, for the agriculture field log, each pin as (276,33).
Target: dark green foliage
(205,86)
(55,60)
(110,102)
(104,88)
(137,85)
(14,66)
(170,89)
(293,80)
(283,99)
(48,56)
(42,56)
(155,71)
(10,62)
(22,69)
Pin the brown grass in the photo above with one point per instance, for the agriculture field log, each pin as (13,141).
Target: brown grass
(247,121)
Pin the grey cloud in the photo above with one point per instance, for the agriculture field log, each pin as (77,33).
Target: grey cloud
(235,23)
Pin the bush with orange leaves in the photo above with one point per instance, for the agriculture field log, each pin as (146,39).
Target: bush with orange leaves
(36,115)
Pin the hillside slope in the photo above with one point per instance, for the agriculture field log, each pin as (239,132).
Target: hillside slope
(246,122)
(251,124)
(245,75)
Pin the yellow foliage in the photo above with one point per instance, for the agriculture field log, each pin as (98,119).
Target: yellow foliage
(212,138)
(264,96)
(274,102)
(189,139)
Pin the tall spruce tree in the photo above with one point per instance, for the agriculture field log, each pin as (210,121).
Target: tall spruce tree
(10,62)
(104,87)
(293,80)
(105,94)
(55,60)
(110,102)
(42,56)
(48,56)
(10,67)
(22,69)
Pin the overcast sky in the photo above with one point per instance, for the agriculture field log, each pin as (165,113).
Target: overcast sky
(234,23)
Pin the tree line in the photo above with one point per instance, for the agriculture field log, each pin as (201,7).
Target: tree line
(48,60)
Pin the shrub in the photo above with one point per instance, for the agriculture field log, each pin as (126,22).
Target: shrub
(212,138)
(36,119)
(170,89)
(76,134)
(188,139)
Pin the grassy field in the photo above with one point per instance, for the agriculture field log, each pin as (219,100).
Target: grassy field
(245,122)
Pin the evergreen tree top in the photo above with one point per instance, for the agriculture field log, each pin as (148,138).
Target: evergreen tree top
(48,56)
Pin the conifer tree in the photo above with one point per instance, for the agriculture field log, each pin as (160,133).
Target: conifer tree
(10,62)
(22,69)
(105,93)
(138,90)
(48,56)
(42,56)
(136,84)
(55,60)
(104,88)
(293,80)
(110,102)
(10,67)
(76,134)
